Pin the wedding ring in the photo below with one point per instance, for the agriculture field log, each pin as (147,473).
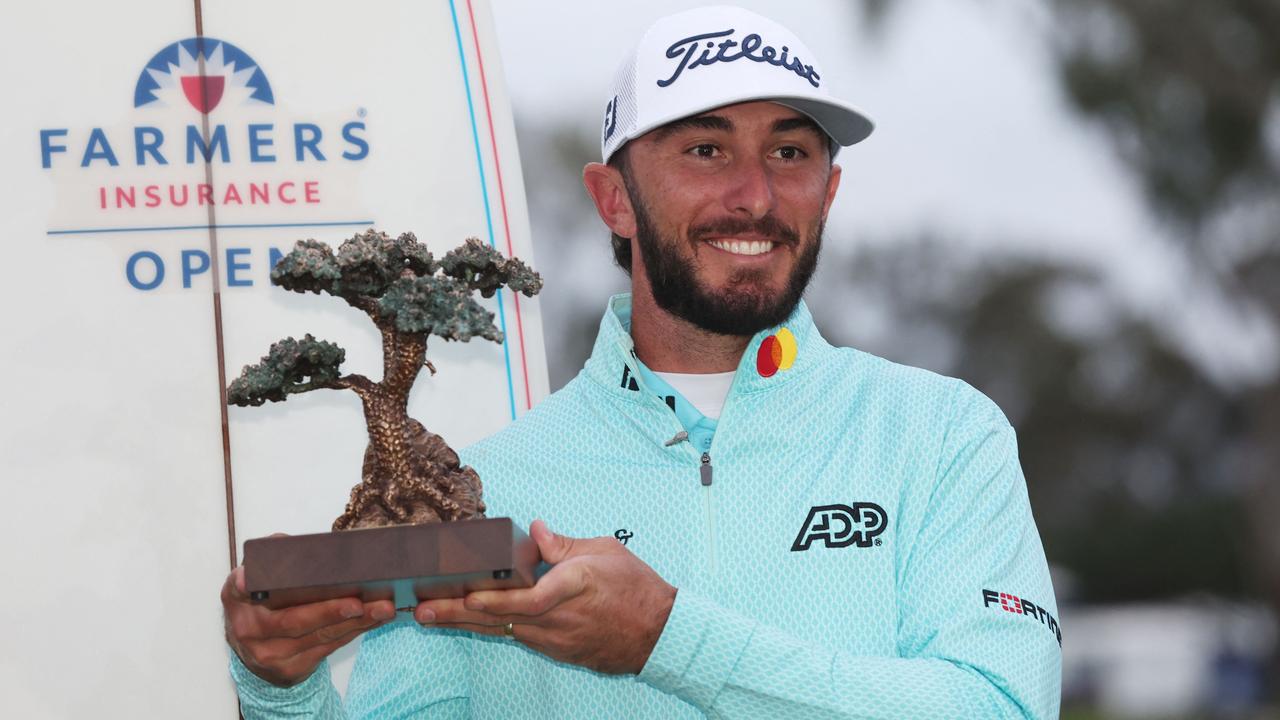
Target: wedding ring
(509,630)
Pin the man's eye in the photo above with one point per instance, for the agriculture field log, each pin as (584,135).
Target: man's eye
(705,150)
(790,152)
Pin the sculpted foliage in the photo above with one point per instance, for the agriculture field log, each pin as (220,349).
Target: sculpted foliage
(410,474)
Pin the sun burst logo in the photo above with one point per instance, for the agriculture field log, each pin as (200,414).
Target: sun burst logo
(230,77)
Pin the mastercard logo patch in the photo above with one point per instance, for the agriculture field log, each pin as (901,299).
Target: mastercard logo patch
(777,352)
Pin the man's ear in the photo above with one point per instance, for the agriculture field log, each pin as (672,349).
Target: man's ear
(609,193)
(833,184)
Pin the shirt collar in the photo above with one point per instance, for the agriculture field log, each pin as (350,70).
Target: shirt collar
(774,356)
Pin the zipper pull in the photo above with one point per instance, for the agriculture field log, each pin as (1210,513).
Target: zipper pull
(705,470)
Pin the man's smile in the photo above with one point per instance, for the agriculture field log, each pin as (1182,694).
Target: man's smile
(737,246)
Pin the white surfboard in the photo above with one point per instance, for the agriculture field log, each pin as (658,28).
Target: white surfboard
(152,176)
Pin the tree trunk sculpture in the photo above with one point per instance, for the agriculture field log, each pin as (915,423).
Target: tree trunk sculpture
(410,475)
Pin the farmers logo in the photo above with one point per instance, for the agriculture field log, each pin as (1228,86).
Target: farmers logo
(207,146)
(203,72)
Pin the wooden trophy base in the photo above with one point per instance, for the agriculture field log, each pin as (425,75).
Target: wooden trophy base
(404,563)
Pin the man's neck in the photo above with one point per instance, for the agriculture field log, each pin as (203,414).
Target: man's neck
(666,343)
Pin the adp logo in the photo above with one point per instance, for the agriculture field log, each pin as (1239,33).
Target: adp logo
(207,146)
(838,526)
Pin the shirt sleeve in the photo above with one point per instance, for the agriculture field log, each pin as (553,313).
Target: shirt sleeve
(401,671)
(977,634)
(314,697)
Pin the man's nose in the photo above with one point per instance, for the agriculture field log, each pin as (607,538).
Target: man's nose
(751,189)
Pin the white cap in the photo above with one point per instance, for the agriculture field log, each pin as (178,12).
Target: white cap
(710,57)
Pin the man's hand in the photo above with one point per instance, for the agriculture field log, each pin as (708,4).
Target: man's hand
(284,646)
(600,606)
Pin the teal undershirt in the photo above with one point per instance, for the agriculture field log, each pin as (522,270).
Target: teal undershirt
(700,427)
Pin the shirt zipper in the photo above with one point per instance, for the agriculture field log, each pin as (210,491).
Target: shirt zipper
(705,476)
(708,504)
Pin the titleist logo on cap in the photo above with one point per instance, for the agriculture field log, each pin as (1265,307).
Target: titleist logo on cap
(725,55)
(752,47)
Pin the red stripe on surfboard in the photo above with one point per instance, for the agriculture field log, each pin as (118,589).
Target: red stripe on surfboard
(502,196)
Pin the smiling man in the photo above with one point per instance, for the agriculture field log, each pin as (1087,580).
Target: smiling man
(748,521)
(728,224)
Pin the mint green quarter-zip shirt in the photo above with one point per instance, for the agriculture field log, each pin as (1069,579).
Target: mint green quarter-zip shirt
(855,541)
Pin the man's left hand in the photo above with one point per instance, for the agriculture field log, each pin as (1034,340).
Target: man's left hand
(599,606)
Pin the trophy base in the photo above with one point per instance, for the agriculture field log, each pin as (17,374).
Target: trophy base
(402,563)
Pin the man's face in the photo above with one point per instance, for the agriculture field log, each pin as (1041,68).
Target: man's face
(729,209)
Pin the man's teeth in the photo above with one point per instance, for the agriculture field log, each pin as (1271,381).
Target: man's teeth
(744,247)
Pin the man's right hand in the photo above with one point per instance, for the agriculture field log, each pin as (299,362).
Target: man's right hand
(284,646)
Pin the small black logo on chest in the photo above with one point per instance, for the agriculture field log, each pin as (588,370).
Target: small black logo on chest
(629,380)
(623,535)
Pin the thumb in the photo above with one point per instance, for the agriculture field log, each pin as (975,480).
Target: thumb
(554,548)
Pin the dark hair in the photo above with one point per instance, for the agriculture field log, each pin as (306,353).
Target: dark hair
(621,245)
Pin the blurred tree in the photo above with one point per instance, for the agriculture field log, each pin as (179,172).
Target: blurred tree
(1189,92)
(1150,479)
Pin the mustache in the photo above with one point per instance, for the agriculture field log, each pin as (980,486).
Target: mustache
(767,226)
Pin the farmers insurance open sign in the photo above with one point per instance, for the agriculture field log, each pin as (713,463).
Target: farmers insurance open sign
(157,160)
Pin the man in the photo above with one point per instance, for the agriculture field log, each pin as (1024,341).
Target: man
(778,528)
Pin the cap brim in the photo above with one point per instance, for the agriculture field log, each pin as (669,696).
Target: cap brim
(844,123)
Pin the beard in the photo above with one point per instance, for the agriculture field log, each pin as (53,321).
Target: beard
(747,305)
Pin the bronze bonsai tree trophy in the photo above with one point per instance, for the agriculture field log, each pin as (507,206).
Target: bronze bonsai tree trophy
(407,546)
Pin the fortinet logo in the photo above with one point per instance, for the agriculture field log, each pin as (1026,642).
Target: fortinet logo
(839,526)
(1020,606)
